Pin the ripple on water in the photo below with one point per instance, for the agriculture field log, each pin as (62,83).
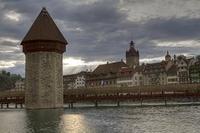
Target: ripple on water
(159,119)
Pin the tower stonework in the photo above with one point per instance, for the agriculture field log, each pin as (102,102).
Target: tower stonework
(132,56)
(43,46)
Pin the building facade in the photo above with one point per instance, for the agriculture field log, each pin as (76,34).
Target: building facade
(194,72)
(105,75)
(183,69)
(172,75)
(177,70)
(75,81)
(138,77)
(68,81)
(155,74)
(125,77)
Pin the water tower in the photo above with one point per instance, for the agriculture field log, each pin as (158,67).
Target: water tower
(44,46)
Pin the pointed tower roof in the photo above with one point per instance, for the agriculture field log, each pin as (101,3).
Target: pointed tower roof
(44,29)
(132,44)
(132,51)
(167,56)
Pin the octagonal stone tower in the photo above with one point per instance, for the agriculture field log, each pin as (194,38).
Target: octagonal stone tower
(43,46)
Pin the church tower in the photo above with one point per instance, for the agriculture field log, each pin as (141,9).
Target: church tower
(132,56)
(167,56)
(43,46)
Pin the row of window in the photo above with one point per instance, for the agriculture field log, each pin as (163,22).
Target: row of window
(80,83)
(99,83)
(173,80)
(129,78)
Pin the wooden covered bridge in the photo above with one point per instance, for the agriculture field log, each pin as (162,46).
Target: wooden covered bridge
(117,95)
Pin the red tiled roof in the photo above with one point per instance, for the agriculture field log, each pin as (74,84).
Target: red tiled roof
(109,68)
(125,71)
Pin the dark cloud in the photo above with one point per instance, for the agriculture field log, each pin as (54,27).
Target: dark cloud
(11,56)
(102,29)
(173,28)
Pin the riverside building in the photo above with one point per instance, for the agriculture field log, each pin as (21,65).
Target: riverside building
(177,70)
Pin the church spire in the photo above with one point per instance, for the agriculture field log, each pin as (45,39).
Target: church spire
(167,52)
(132,44)
(167,57)
(132,56)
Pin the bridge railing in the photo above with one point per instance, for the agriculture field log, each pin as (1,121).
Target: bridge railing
(11,94)
(117,90)
(135,89)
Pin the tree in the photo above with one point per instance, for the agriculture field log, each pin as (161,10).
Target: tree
(198,57)
(7,80)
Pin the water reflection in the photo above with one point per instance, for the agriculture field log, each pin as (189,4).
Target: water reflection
(44,121)
(97,120)
(74,123)
(12,121)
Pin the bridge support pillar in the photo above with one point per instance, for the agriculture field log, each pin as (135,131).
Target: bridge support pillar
(21,105)
(118,103)
(165,101)
(2,106)
(141,100)
(7,105)
(71,105)
(16,105)
(96,104)
(165,98)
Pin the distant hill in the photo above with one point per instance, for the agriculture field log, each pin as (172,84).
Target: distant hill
(7,80)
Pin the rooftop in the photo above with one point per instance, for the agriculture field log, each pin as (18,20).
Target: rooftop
(44,29)
(109,68)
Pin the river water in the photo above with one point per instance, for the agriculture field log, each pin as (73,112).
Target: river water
(159,119)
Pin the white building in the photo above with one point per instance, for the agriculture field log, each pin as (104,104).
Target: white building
(125,77)
(183,65)
(75,81)
(138,79)
(19,85)
(128,77)
(80,81)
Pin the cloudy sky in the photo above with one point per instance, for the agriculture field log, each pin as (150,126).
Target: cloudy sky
(100,30)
